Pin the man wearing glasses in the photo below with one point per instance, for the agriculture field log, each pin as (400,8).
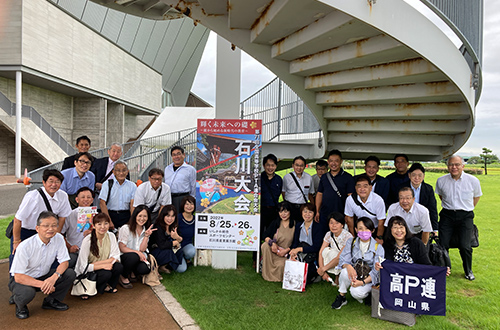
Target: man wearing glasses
(459,193)
(78,177)
(34,203)
(31,270)
(117,196)
(154,193)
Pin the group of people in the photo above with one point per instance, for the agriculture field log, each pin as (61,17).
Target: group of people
(340,225)
(50,248)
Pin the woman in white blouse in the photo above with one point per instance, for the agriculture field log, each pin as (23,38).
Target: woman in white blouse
(100,252)
(133,242)
(333,244)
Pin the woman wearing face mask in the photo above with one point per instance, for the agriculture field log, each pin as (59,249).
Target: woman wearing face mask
(165,244)
(276,246)
(357,262)
(307,241)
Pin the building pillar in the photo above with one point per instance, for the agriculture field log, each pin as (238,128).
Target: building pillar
(89,118)
(19,106)
(227,106)
(115,123)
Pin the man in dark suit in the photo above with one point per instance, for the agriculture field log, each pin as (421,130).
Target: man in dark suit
(398,178)
(103,167)
(424,193)
(82,145)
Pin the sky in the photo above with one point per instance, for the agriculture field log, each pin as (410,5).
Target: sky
(254,76)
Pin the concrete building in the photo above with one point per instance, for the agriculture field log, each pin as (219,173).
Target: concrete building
(87,70)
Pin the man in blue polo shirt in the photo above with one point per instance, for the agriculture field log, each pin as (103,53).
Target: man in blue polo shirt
(78,177)
(334,187)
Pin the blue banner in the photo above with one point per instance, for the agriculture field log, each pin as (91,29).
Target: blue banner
(413,288)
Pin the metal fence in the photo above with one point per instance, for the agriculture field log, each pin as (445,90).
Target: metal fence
(465,18)
(282,111)
(141,155)
(28,112)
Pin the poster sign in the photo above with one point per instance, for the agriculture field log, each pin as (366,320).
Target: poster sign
(84,218)
(413,288)
(228,184)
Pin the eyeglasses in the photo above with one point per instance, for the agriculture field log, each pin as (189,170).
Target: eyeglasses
(156,179)
(120,171)
(49,226)
(88,162)
(455,165)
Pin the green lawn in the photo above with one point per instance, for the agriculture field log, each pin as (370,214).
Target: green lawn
(241,299)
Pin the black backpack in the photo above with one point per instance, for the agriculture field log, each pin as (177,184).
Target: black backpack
(438,254)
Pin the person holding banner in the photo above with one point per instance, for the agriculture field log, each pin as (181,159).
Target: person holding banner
(307,241)
(401,246)
(357,262)
(277,241)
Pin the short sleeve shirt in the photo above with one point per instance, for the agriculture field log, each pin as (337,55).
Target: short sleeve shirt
(34,258)
(374,203)
(331,201)
(458,194)
(145,194)
(417,218)
(32,205)
(292,193)
(120,196)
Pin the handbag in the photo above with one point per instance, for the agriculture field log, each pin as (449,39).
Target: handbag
(438,254)
(378,312)
(85,284)
(153,278)
(474,240)
(295,276)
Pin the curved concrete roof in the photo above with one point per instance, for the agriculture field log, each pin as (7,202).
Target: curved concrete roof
(172,47)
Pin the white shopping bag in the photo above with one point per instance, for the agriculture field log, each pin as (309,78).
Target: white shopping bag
(295,276)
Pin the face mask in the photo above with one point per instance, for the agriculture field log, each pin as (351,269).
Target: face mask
(364,235)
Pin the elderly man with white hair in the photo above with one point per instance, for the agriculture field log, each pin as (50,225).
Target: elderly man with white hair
(459,193)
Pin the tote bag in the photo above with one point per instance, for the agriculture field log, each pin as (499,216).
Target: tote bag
(295,276)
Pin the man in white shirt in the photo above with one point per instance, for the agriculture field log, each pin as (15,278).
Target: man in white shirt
(155,194)
(416,216)
(459,193)
(31,270)
(180,177)
(297,187)
(24,225)
(117,196)
(364,203)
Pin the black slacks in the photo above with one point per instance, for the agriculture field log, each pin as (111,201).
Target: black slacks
(458,223)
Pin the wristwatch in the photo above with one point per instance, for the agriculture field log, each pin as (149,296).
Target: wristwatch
(58,274)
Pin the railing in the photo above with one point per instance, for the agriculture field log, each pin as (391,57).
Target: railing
(282,111)
(141,155)
(465,19)
(28,112)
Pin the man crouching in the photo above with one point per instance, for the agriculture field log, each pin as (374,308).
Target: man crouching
(31,271)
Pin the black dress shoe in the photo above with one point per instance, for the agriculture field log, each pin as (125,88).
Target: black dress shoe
(470,276)
(54,304)
(11,300)
(22,313)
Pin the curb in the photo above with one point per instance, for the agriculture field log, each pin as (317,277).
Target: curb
(179,314)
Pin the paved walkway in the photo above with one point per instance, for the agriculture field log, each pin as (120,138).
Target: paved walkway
(141,307)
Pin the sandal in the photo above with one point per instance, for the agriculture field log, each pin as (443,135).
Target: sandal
(84,297)
(125,285)
(109,289)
